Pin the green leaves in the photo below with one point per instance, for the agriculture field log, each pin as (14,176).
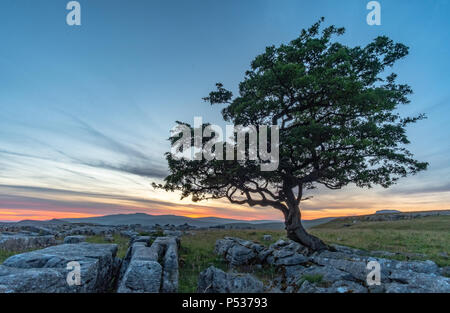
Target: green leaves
(337,111)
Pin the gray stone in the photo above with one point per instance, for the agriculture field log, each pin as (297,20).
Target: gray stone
(129,233)
(308,287)
(173,233)
(267,237)
(401,288)
(39,280)
(141,277)
(240,255)
(214,280)
(426,282)
(344,286)
(21,242)
(287,253)
(75,239)
(92,230)
(295,259)
(427,267)
(355,268)
(237,251)
(46,270)
(150,269)
(170,263)
(144,239)
(328,274)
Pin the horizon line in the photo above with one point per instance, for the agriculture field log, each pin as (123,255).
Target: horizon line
(245,220)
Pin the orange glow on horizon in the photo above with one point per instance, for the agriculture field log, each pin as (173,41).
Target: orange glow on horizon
(13,215)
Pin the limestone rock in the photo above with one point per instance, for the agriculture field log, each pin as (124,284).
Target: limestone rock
(46,270)
(75,239)
(141,276)
(214,280)
(150,269)
(21,242)
(238,251)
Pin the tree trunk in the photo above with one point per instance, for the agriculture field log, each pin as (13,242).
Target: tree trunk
(297,233)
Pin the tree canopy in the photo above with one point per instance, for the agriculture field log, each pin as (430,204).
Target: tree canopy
(336,108)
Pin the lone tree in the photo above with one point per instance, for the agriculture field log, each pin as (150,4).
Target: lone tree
(336,111)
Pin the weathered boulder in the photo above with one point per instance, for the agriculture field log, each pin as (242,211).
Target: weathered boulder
(421,281)
(173,233)
(214,280)
(285,253)
(74,239)
(39,280)
(21,242)
(267,237)
(355,268)
(401,288)
(150,269)
(238,251)
(141,277)
(346,286)
(47,270)
(170,263)
(328,274)
(144,239)
(129,233)
(337,287)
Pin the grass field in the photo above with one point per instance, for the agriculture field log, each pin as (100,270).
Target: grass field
(427,236)
(421,239)
(121,242)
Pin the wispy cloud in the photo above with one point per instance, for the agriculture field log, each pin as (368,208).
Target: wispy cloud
(420,190)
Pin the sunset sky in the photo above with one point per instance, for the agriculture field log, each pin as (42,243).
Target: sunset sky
(85,111)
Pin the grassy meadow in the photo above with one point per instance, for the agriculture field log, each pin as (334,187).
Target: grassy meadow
(121,242)
(426,238)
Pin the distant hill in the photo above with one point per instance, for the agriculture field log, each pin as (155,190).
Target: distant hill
(353,221)
(387,211)
(147,219)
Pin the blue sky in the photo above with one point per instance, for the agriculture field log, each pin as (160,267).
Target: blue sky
(85,111)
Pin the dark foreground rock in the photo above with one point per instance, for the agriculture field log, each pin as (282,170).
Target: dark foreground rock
(47,270)
(343,271)
(214,280)
(150,269)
